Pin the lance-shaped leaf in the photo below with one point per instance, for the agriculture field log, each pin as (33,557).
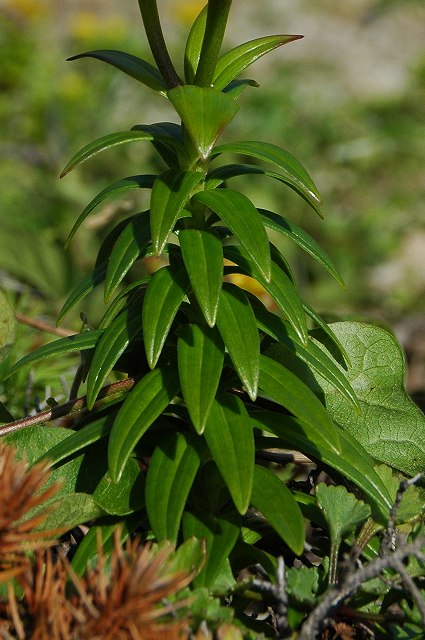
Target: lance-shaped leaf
(221,174)
(168,141)
(281,289)
(141,408)
(132,182)
(292,354)
(163,298)
(203,258)
(111,345)
(204,112)
(297,177)
(220,535)
(233,62)
(277,504)
(128,248)
(61,347)
(192,51)
(238,327)
(82,289)
(282,386)
(235,88)
(106,142)
(343,513)
(302,238)
(244,221)
(200,352)
(170,194)
(171,473)
(133,66)
(349,459)
(230,439)
(337,349)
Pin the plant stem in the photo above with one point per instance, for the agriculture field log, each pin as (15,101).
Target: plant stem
(150,17)
(217,14)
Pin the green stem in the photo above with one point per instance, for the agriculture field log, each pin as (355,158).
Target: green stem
(150,17)
(217,14)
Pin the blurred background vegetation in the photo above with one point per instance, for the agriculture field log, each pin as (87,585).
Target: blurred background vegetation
(347,101)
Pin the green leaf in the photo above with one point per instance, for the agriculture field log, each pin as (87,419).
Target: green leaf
(145,402)
(295,174)
(230,439)
(227,171)
(233,62)
(343,514)
(277,504)
(171,473)
(133,66)
(132,182)
(391,427)
(106,142)
(200,352)
(189,557)
(70,510)
(129,293)
(82,289)
(7,326)
(289,352)
(280,288)
(163,298)
(203,258)
(5,415)
(412,503)
(112,344)
(302,584)
(70,344)
(204,112)
(128,248)
(243,219)
(170,194)
(282,386)
(220,535)
(235,88)
(330,336)
(303,239)
(238,327)
(349,458)
(192,51)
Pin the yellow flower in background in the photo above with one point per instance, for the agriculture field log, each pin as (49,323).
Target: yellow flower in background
(185,11)
(72,86)
(88,26)
(28,9)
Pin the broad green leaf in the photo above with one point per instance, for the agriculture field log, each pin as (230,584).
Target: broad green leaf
(349,459)
(227,171)
(200,352)
(110,347)
(132,182)
(281,289)
(220,535)
(343,513)
(128,248)
(303,239)
(70,510)
(292,169)
(7,326)
(238,327)
(204,112)
(203,258)
(189,557)
(303,584)
(230,439)
(233,62)
(243,219)
(171,473)
(133,66)
(282,386)
(163,298)
(294,355)
(391,427)
(192,51)
(82,289)
(145,402)
(106,142)
(412,504)
(277,504)
(170,194)
(60,347)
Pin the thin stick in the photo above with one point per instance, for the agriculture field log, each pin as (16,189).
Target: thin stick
(43,326)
